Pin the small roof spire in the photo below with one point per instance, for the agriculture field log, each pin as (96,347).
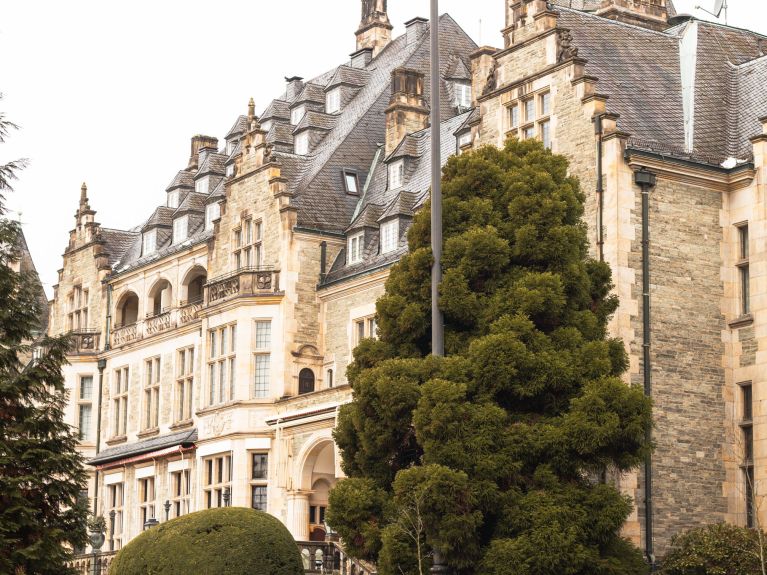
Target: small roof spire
(83,192)
(251,108)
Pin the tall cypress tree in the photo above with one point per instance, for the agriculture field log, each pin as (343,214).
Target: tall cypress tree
(499,454)
(41,474)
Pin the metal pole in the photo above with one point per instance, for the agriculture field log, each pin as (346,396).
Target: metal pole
(437,327)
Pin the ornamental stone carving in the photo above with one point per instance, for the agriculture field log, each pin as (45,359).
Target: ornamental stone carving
(566,49)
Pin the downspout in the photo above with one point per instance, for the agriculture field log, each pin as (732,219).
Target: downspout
(646,180)
(600,188)
(108,329)
(101,365)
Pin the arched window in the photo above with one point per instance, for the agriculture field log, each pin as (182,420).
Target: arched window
(192,286)
(127,310)
(160,298)
(305,381)
(330,378)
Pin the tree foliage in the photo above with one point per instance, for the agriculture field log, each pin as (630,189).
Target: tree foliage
(721,549)
(231,540)
(507,437)
(41,474)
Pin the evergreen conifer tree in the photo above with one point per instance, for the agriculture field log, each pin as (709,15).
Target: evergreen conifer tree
(498,454)
(41,474)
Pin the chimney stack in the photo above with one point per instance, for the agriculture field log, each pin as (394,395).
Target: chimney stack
(200,142)
(651,14)
(294,87)
(407,112)
(375,29)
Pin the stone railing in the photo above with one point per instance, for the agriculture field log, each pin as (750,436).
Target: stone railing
(84,341)
(159,323)
(329,558)
(243,282)
(92,564)
(125,334)
(189,312)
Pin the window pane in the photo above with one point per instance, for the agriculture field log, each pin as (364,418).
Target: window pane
(86,387)
(546,134)
(260,466)
(529,110)
(86,413)
(261,389)
(748,405)
(263,334)
(259,497)
(743,233)
(545,104)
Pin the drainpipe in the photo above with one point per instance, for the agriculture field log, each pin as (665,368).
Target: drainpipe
(101,365)
(108,329)
(323,261)
(646,180)
(600,188)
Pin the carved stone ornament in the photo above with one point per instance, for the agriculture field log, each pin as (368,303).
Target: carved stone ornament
(264,281)
(268,150)
(566,49)
(492,81)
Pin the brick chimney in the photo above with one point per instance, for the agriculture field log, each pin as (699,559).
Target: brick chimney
(407,111)
(200,143)
(375,28)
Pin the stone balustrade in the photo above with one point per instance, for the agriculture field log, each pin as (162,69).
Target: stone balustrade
(91,564)
(246,282)
(85,342)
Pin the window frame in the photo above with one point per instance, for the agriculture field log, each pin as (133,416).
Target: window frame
(260,482)
(177,239)
(350,174)
(364,327)
(301,143)
(389,235)
(262,360)
(180,492)
(743,269)
(746,408)
(463,94)
(248,242)
(213,488)
(184,388)
(356,248)
(152,379)
(84,432)
(297,114)
(120,398)
(116,504)
(396,174)
(147,486)
(333,100)
(202,185)
(149,242)
(212,213)
(221,337)
(174,199)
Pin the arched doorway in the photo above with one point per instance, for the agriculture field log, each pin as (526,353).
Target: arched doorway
(127,310)
(317,478)
(192,286)
(160,297)
(305,381)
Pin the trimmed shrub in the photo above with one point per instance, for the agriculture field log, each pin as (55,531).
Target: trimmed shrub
(721,549)
(231,541)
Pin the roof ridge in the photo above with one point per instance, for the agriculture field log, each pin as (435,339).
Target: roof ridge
(615,22)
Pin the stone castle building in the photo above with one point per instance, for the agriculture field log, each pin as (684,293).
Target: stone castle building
(212,339)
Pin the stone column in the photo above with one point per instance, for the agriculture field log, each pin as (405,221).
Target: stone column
(298,515)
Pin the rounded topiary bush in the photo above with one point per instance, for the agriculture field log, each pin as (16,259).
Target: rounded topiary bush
(231,541)
(720,549)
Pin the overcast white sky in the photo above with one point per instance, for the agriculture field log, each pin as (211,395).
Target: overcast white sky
(110,92)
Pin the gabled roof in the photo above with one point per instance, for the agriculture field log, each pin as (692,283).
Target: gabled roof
(280,133)
(311,93)
(276,110)
(161,218)
(349,76)
(402,205)
(193,202)
(238,128)
(317,121)
(214,163)
(458,69)
(117,242)
(367,218)
(184,179)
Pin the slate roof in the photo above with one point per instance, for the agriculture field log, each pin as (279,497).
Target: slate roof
(161,218)
(317,121)
(238,128)
(276,110)
(380,203)
(193,202)
(184,179)
(593,5)
(117,242)
(182,438)
(214,163)
(349,76)
(639,70)
(320,196)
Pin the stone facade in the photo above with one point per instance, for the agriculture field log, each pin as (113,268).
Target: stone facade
(569,73)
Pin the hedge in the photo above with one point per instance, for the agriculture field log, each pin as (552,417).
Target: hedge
(231,541)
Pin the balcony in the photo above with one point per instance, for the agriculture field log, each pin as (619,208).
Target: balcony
(245,282)
(84,341)
(85,564)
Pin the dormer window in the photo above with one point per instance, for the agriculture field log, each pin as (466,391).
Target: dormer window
(356,247)
(302,144)
(173,199)
(150,242)
(396,174)
(389,236)
(201,186)
(230,146)
(333,101)
(297,114)
(462,95)
(351,182)
(464,140)
(230,171)
(180,229)
(212,213)
(266,126)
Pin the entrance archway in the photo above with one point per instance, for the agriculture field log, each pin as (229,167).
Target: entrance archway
(318,477)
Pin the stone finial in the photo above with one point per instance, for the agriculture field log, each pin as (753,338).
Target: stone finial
(375,28)
(84,196)
(251,108)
